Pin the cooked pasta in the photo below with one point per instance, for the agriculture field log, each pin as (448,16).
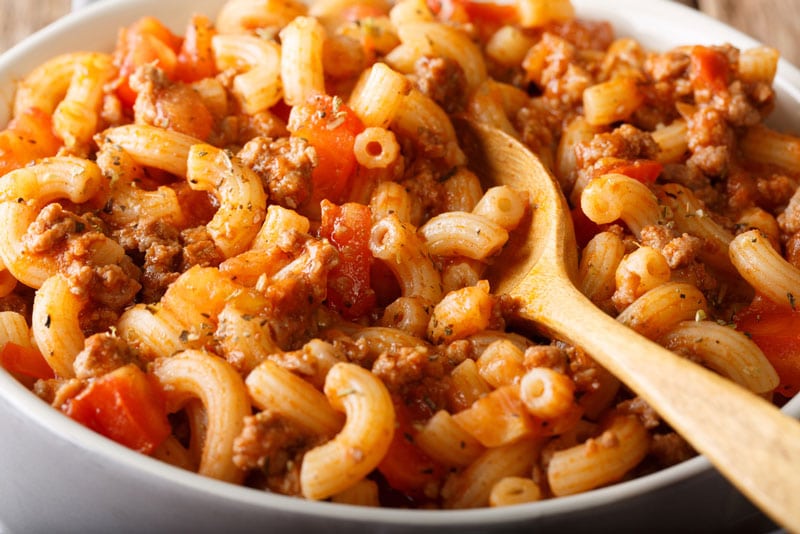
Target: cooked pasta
(616,196)
(262,236)
(599,460)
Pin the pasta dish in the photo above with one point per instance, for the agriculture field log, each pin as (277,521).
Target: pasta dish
(254,247)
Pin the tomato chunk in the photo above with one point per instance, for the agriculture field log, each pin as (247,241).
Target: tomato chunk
(196,57)
(145,41)
(776,331)
(406,467)
(493,13)
(710,68)
(331,128)
(643,170)
(348,229)
(123,405)
(23,360)
(28,137)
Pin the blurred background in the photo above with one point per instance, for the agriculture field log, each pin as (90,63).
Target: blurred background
(772,22)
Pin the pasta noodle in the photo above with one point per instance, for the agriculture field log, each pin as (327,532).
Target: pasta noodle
(600,460)
(263,238)
(360,445)
(767,271)
(194,374)
(617,196)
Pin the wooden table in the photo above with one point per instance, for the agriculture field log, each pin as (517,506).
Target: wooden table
(770,21)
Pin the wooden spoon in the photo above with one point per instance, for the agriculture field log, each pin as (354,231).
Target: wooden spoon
(749,440)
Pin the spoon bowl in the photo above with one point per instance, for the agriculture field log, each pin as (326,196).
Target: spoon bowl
(542,238)
(749,440)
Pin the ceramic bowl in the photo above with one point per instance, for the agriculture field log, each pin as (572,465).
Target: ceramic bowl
(57,476)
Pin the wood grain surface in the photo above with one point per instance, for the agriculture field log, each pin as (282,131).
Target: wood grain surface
(770,21)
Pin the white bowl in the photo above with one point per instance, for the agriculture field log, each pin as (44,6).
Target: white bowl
(57,476)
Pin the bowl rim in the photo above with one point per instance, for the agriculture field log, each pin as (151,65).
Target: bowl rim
(53,421)
(26,404)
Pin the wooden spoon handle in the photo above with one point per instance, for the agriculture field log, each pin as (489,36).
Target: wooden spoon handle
(750,441)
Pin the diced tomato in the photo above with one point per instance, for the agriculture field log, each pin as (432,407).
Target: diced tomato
(776,331)
(145,41)
(585,228)
(406,467)
(486,17)
(196,57)
(123,405)
(348,229)
(331,128)
(27,361)
(710,68)
(644,170)
(156,28)
(28,137)
(491,13)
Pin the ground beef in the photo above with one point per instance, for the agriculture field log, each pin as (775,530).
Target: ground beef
(625,142)
(51,229)
(584,370)
(296,292)
(687,176)
(792,250)
(57,391)
(741,190)
(670,449)
(109,289)
(171,105)
(668,67)
(712,160)
(547,61)
(775,190)
(274,446)
(682,250)
(625,293)
(538,123)
(199,249)
(423,184)
(738,109)
(164,252)
(159,246)
(711,141)
(102,353)
(284,165)
(789,220)
(679,251)
(111,286)
(656,236)
(443,80)
(550,356)
(263,124)
(640,408)
(312,361)
(72,239)
(585,34)
(669,77)
(764,189)
(398,368)
(696,273)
